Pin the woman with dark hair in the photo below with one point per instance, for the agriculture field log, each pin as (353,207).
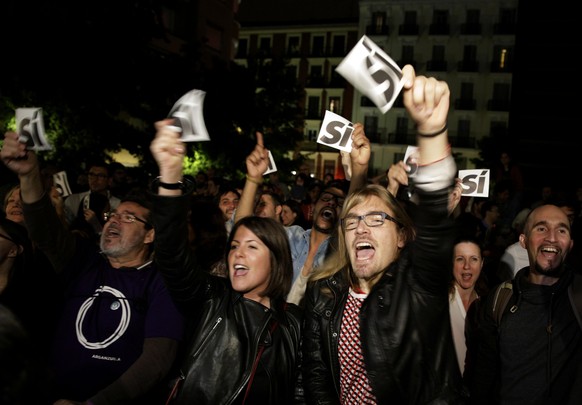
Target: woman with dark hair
(245,347)
(292,214)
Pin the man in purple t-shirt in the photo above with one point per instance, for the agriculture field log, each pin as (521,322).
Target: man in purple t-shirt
(119,330)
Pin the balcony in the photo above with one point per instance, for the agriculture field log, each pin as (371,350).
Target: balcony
(436,66)
(465,104)
(463,141)
(408,29)
(504,29)
(468,66)
(439,29)
(498,105)
(471,29)
(401,138)
(372,30)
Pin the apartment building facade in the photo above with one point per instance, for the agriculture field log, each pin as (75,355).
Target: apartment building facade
(468,43)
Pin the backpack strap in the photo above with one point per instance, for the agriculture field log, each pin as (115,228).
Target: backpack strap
(503,293)
(575,295)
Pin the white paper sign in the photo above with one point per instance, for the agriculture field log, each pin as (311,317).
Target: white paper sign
(62,184)
(272,166)
(30,127)
(188,114)
(475,182)
(336,132)
(370,70)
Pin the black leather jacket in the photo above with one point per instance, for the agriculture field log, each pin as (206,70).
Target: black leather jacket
(229,328)
(404,322)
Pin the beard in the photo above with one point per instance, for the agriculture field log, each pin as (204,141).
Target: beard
(555,272)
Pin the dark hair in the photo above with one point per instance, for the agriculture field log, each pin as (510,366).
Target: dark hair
(274,236)
(296,207)
(210,234)
(223,191)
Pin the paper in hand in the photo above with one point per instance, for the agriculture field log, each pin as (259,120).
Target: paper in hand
(272,166)
(370,70)
(336,132)
(62,184)
(189,118)
(30,127)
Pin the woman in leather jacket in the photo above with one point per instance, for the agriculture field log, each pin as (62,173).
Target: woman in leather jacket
(245,344)
(377,321)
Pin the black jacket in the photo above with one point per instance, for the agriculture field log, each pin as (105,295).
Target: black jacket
(229,328)
(404,322)
(534,354)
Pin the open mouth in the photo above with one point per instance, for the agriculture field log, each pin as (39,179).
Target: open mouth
(328,214)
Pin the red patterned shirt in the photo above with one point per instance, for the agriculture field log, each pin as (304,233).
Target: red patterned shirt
(354,385)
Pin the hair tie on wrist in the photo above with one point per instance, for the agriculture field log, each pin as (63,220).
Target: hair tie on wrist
(434,133)
(253,180)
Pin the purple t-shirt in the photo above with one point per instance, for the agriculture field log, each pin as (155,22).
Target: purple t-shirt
(107,314)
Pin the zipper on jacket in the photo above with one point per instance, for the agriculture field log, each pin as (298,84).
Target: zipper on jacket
(207,338)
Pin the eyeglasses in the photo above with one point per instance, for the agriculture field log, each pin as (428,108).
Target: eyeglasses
(98,175)
(371,219)
(327,197)
(125,217)
(8,238)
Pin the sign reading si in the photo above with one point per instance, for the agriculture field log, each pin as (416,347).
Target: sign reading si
(336,132)
(370,70)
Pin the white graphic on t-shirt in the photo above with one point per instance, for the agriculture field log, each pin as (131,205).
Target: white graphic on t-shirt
(121,328)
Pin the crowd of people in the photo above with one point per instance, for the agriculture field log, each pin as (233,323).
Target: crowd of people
(196,289)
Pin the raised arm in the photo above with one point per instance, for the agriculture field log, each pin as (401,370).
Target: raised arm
(257,164)
(359,158)
(427,102)
(44,225)
(24,163)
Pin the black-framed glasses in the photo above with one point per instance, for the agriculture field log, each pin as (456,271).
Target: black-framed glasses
(372,219)
(8,238)
(327,197)
(125,217)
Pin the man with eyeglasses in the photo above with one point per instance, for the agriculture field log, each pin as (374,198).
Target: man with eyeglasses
(377,325)
(309,247)
(79,204)
(118,331)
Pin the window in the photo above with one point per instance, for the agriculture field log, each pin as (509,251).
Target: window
(371,128)
(317,47)
(402,125)
(378,22)
(407,54)
(410,18)
(335,105)
(293,46)
(339,45)
(242,48)
(265,46)
(472,17)
(464,128)
(469,53)
(440,17)
(313,107)
(438,53)
(501,92)
(466,91)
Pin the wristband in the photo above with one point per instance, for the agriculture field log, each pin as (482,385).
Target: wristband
(434,133)
(170,186)
(249,178)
